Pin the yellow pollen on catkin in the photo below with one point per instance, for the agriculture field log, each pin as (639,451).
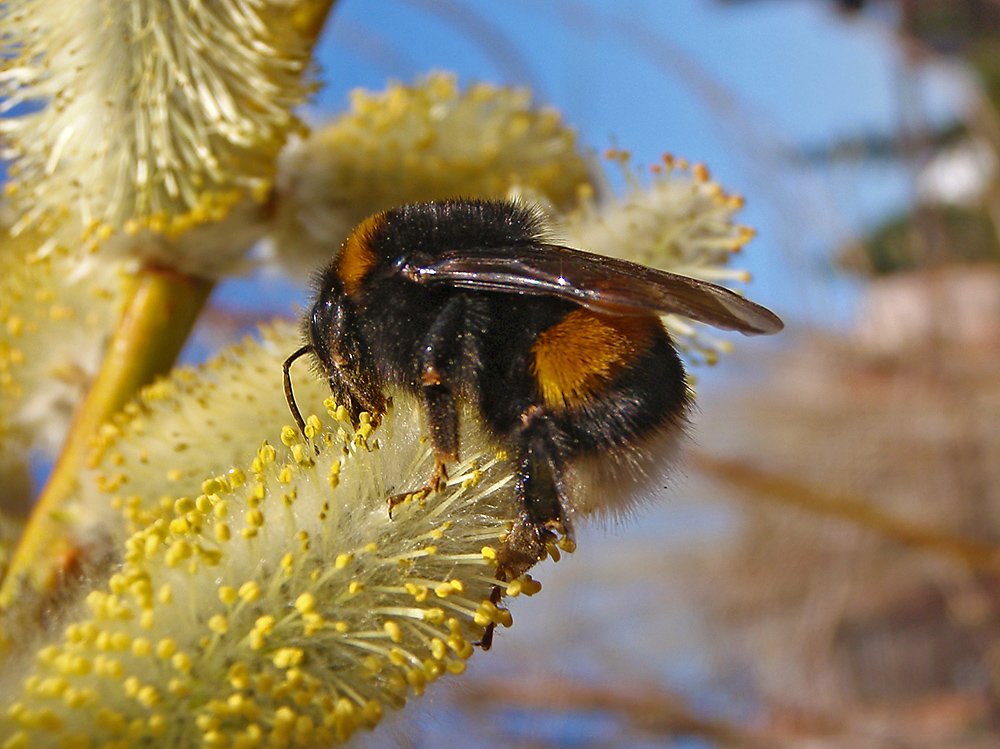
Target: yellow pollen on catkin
(287,657)
(239,676)
(342,560)
(249,591)
(313,426)
(394,631)
(301,456)
(444,590)
(181,662)
(141,647)
(305,603)
(523,585)
(166,648)
(419,592)
(218,624)
(327,580)
(255,518)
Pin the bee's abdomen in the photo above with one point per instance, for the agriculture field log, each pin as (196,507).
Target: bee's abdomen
(608,378)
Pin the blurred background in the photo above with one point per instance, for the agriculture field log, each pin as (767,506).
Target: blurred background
(824,571)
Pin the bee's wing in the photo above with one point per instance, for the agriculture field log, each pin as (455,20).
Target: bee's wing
(604,284)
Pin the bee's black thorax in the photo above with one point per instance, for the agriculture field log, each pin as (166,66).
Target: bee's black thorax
(428,229)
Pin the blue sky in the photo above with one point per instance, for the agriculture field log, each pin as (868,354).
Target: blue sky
(737,86)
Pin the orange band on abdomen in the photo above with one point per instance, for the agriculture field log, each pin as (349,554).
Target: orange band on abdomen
(573,360)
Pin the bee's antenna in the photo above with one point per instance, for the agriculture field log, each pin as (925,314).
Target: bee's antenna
(289,395)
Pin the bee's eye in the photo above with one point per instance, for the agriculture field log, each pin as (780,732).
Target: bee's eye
(318,321)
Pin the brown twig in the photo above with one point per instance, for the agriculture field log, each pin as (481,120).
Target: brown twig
(860,511)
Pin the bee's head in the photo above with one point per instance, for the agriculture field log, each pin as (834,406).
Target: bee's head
(325,330)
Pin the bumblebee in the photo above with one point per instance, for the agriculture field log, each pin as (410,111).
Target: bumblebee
(562,352)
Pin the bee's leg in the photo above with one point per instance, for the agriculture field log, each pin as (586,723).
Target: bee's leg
(442,421)
(437,481)
(486,641)
(540,487)
(440,353)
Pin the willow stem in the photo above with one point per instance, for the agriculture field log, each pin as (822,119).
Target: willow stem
(159,313)
(976,555)
(309,17)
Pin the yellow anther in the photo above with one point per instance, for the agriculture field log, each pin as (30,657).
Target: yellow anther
(394,631)
(166,648)
(141,647)
(434,615)
(342,561)
(218,624)
(181,662)
(286,657)
(305,603)
(249,591)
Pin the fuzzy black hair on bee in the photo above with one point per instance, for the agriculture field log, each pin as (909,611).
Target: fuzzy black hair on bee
(562,352)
